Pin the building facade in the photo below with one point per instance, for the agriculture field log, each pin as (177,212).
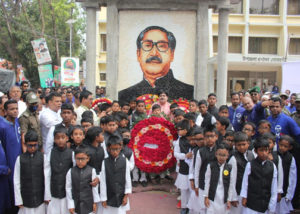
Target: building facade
(262,35)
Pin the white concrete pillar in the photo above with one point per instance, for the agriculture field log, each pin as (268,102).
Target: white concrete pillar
(112,42)
(222,56)
(211,78)
(91,57)
(201,76)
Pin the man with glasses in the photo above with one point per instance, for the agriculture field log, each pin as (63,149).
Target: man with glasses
(155,52)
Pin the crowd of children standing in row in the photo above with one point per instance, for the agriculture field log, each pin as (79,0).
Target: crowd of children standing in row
(219,170)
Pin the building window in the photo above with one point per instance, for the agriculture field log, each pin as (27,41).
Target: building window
(294,46)
(293,7)
(103,42)
(260,45)
(102,76)
(234,44)
(264,7)
(236,8)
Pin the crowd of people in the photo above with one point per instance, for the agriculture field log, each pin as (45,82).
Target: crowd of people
(60,154)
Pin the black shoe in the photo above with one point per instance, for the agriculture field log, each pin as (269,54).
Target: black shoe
(144,183)
(169,178)
(135,183)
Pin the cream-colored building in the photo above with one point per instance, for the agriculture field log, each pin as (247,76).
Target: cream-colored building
(262,35)
(101,48)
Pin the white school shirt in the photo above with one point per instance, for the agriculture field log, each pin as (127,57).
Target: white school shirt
(103,189)
(199,120)
(17,181)
(48,119)
(79,111)
(292,180)
(198,167)
(70,200)
(234,169)
(280,176)
(219,196)
(273,199)
(103,144)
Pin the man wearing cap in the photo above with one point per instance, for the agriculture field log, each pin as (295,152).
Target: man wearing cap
(255,94)
(296,114)
(30,119)
(284,99)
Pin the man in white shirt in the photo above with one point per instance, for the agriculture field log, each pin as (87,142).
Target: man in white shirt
(86,100)
(50,117)
(15,94)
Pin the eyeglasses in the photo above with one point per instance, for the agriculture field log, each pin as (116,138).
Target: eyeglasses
(247,130)
(209,136)
(115,150)
(161,46)
(80,159)
(32,145)
(222,155)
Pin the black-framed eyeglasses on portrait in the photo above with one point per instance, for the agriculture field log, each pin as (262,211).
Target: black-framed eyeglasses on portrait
(161,46)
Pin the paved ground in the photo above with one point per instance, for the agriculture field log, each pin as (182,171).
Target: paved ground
(153,202)
(154,199)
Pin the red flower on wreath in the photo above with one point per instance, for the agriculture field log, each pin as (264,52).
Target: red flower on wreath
(152,144)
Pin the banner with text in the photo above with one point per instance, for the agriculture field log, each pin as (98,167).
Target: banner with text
(46,76)
(70,71)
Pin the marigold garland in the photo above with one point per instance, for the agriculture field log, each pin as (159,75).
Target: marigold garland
(183,104)
(149,99)
(160,133)
(101,101)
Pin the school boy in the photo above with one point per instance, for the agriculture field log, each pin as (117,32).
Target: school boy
(138,114)
(205,155)
(290,175)
(259,187)
(249,129)
(275,157)
(238,161)
(31,178)
(197,138)
(126,151)
(115,173)
(67,114)
(110,127)
(221,125)
(61,160)
(219,182)
(81,196)
(208,119)
(229,140)
(183,153)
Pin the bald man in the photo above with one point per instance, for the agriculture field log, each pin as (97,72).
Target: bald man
(253,112)
(15,94)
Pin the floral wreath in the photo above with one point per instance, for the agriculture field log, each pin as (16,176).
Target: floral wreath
(183,104)
(159,133)
(101,101)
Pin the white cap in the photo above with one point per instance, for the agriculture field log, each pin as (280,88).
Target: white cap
(1,94)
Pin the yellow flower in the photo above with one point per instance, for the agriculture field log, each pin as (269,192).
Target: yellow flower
(226,172)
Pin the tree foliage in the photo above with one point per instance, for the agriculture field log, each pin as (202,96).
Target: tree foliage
(22,21)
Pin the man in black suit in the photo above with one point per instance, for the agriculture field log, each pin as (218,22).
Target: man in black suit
(155,52)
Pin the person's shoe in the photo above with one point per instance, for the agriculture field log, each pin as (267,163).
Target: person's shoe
(178,206)
(135,183)
(144,183)
(183,211)
(169,178)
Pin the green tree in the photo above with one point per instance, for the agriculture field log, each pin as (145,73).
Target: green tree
(22,21)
